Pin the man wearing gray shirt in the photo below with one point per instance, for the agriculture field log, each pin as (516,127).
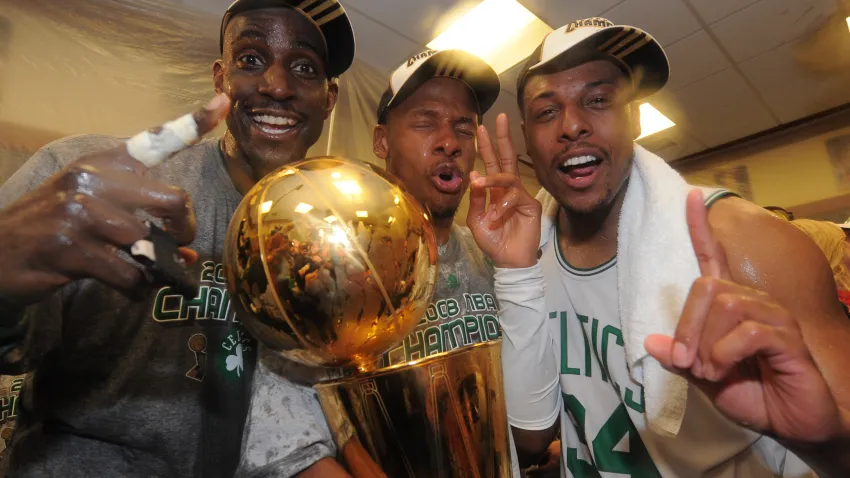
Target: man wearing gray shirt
(159,385)
(427,121)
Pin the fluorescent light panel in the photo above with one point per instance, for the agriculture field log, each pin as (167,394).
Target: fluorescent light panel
(303,208)
(652,121)
(501,32)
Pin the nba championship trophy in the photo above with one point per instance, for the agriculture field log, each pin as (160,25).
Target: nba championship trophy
(331,263)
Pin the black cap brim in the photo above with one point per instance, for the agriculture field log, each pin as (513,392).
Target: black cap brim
(329,17)
(479,76)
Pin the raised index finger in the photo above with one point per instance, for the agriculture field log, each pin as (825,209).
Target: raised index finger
(709,252)
(507,155)
(149,148)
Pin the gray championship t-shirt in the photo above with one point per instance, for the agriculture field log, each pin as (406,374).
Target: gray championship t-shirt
(158,387)
(463,310)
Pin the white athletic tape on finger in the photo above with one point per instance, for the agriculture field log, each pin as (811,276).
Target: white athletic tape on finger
(153,148)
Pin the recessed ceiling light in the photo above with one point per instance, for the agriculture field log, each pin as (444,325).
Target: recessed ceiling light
(501,32)
(652,121)
(848,22)
(265,207)
(362,213)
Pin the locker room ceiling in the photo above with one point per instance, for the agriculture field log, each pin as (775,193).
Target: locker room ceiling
(738,66)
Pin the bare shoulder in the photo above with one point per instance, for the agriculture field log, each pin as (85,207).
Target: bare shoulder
(741,225)
(768,253)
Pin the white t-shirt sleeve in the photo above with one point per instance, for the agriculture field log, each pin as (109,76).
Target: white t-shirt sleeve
(529,365)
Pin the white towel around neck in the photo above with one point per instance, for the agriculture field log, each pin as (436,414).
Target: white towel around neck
(656,267)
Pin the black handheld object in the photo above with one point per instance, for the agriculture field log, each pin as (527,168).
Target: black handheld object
(159,254)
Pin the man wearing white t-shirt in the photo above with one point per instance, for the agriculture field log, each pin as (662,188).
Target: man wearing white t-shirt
(761,338)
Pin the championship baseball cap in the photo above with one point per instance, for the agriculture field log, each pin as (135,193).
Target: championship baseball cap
(633,49)
(329,17)
(479,76)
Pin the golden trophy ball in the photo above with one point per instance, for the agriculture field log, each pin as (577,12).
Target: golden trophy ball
(330,262)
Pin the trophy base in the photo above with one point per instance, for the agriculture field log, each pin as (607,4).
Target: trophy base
(443,416)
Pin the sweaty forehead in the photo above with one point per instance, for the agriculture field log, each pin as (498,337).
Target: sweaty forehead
(577,77)
(275,25)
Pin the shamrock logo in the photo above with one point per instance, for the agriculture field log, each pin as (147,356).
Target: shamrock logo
(452,282)
(235,362)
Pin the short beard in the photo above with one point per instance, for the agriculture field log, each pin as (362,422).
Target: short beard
(601,207)
(444,213)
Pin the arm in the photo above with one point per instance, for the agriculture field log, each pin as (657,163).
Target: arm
(532,391)
(508,232)
(358,460)
(63,222)
(795,273)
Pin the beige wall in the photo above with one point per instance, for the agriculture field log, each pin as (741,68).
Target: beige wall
(790,175)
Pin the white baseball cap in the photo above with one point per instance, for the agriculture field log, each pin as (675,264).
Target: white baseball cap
(479,76)
(328,16)
(633,49)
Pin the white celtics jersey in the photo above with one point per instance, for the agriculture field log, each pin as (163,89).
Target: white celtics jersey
(603,426)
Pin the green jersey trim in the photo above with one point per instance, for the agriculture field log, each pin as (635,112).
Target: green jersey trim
(581,272)
(578,271)
(717,195)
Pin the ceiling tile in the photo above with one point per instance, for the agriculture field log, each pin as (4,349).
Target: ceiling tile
(666,20)
(509,78)
(714,10)
(694,58)
(717,109)
(506,103)
(799,93)
(419,22)
(379,47)
(558,13)
(768,24)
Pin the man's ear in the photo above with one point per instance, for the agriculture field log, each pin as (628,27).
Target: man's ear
(218,76)
(634,119)
(379,141)
(333,94)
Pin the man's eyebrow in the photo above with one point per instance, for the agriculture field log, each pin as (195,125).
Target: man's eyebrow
(593,84)
(249,34)
(257,34)
(423,111)
(305,46)
(544,95)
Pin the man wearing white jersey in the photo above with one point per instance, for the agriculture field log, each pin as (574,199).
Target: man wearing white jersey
(761,339)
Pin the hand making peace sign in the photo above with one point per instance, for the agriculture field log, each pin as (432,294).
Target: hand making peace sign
(508,229)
